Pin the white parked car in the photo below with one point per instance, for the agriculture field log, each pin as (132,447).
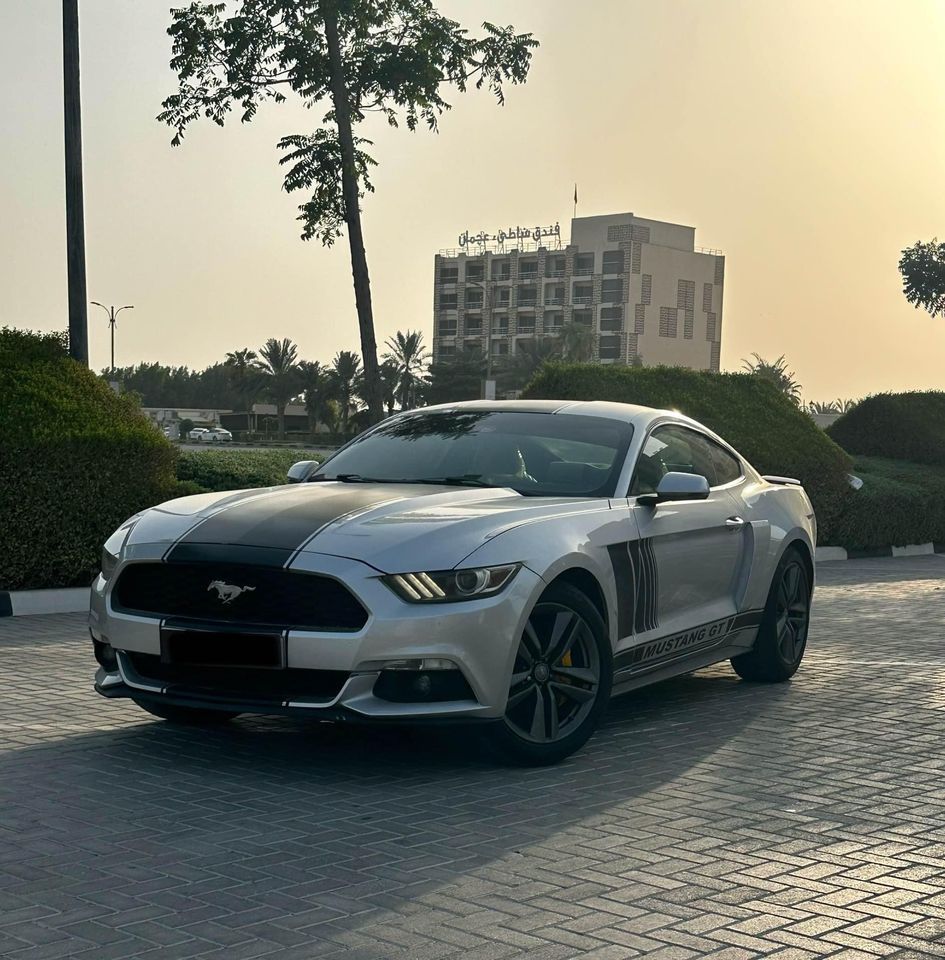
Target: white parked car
(211,435)
(197,433)
(508,564)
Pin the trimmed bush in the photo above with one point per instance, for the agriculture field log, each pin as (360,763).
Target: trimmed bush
(75,461)
(899,426)
(900,503)
(222,469)
(751,414)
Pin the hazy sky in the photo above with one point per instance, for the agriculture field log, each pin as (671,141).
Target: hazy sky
(804,138)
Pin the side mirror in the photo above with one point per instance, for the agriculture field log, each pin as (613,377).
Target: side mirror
(300,471)
(678,486)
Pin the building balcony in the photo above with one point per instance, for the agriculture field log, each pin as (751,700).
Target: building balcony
(582,298)
(554,301)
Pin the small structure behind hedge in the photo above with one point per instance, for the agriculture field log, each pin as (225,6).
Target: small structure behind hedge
(897,426)
(75,461)
(747,411)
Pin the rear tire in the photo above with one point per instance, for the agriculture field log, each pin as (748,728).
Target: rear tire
(561,681)
(189,716)
(782,636)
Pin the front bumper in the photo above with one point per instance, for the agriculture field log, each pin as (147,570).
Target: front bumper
(479,636)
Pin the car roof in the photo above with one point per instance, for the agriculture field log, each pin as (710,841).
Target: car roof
(626,412)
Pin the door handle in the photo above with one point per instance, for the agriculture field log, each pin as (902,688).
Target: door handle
(735,523)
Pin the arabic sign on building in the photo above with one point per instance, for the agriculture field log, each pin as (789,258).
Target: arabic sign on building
(537,234)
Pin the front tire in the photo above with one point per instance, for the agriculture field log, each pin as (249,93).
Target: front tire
(782,636)
(561,680)
(188,716)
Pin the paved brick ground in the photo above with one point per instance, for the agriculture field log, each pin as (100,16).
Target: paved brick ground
(709,817)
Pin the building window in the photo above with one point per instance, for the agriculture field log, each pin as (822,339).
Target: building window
(554,293)
(448,301)
(582,316)
(500,323)
(474,298)
(527,296)
(447,326)
(475,271)
(503,297)
(639,318)
(527,269)
(446,350)
(669,321)
(611,291)
(449,274)
(583,264)
(525,323)
(611,318)
(646,289)
(613,261)
(610,348)
(553,319)
(582,293)
(500,348)
(473,323)
(472,346)
(501,269)
(554,266)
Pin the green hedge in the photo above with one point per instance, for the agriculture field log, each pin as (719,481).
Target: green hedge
(900,503)
(222,469)
(747,411)
(900,426)
(75,461)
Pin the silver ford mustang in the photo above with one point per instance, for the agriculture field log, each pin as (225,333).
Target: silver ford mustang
(506,564)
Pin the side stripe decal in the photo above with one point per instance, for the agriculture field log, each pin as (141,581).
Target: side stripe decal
(636,576)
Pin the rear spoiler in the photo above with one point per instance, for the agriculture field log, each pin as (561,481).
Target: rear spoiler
(783,481)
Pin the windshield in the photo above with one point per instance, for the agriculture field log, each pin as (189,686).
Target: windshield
(537,454)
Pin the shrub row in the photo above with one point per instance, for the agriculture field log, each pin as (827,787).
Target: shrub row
(75,461)
(221,469)
(748,412)
(900,503)
(901,426)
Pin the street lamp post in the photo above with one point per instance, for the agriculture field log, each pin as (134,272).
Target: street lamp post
(112,317)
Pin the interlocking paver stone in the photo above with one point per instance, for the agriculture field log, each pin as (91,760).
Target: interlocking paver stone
(708,818)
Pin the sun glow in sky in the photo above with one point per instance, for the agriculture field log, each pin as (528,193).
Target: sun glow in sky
(805,139)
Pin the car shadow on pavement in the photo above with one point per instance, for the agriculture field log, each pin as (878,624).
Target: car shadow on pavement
(266,818)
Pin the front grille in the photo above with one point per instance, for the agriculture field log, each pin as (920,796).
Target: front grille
(275,597)
(239,683)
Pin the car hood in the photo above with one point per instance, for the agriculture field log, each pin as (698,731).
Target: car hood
(393,527)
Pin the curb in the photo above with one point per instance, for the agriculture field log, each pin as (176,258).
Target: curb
(24,603)
(831,554)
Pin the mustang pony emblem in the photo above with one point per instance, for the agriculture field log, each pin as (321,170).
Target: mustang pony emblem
(227,592)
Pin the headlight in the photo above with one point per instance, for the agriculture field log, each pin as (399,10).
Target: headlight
(447,586)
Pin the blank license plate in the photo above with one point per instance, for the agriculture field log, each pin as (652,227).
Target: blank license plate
(206,649)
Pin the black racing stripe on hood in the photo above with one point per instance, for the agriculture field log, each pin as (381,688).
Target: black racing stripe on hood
(286,519)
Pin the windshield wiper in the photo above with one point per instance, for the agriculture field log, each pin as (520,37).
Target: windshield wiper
(349,478)
(466,480)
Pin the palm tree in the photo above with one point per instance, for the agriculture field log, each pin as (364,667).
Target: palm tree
(777,373)
(577,342)
(530,355)
(345,376)
(245,378)
(391,382)
(407,352)
(316,387)
(278,360)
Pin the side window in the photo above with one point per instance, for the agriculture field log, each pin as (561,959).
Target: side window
(672,449)
(727,467)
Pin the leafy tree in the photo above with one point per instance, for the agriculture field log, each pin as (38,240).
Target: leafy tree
(775,372)
(350,57)
(530,355)
(577,342)
(346,383)
(278,360)
(245,377)
(407,353)
(455,378)
(923,276)
(184,427)
(316,390)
